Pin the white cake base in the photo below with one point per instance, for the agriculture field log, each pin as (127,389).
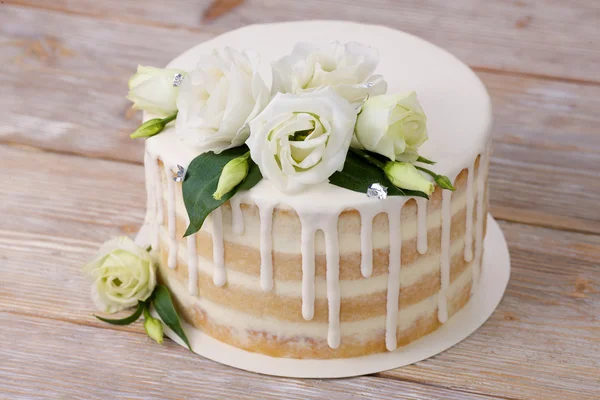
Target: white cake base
(493,282)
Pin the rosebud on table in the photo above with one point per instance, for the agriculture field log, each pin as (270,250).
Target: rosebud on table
(122,275)
(153,327)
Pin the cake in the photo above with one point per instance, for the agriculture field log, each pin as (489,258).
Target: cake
(321,271)
(330,273)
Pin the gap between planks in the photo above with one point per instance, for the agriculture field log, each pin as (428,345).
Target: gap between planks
(469,392)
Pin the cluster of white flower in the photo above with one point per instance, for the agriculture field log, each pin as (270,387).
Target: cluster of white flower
(325,98)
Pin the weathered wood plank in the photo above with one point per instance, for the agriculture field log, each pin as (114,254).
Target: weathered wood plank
(546,134)
(57,71)
(55,359)
(541,343)
(546,153)
(553,38)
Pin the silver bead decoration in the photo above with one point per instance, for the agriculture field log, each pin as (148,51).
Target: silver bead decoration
(368,85)
(180,174)
(377,191)
(177,79)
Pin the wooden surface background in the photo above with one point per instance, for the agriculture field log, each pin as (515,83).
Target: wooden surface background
(70,179)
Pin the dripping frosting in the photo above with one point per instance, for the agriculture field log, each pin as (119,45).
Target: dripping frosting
(171,217)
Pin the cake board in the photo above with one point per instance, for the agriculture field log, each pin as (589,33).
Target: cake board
(492,285)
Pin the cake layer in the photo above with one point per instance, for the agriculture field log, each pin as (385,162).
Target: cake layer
(243,292)
(281,338)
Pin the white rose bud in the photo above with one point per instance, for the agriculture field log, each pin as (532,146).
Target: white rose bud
(393,126)
(347,68)
(122,274)
(218,99)
(234,172)
(300,140)
(406,176)
(151,89)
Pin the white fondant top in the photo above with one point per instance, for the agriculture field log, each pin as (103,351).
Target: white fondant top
(455,101)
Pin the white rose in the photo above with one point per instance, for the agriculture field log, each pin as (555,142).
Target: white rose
(151,89)
(122,274)
(218,99)
(300,140)
(392,125)
(348,68)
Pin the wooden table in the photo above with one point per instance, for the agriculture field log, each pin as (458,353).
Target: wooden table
(71,178)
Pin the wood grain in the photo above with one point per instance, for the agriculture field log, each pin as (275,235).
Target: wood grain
(218,8)
(554,38)
(82,362)
(57,70)
(539,344)
(64,65)
(546,133)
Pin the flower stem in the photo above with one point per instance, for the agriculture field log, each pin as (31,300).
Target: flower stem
(427,171)
(441,180)
(367,157)
(424,160)
(170,118)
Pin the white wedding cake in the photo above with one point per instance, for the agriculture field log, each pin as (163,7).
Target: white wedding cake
(324,232)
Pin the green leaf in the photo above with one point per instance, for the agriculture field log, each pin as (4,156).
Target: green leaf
(128,320)
(202,179)
(163,304)
(358,174)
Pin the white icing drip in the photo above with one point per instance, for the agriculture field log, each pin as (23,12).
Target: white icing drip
(421,225)
(192,265)
(219,275)
(332,252)
(445,257)
(158,199)
(151,220)
(237,218)
(171,218)
(266,245)
(366,243)
(393,287)
(481,176)
(308,267)
(469,224)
